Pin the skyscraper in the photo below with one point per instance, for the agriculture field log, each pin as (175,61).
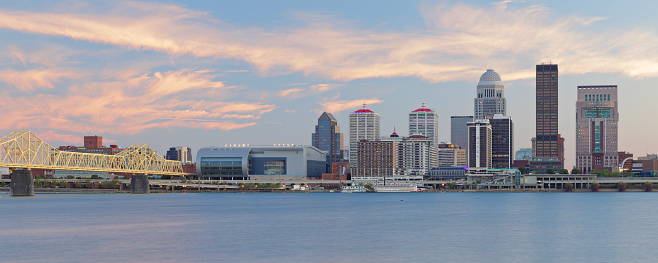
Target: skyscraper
(547,111)
(459,131)
(597,117)
(479,144)
(490,96)
(364,125)
(327,137)
(502,148)
(425,121)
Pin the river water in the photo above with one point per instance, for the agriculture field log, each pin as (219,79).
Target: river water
(330,227)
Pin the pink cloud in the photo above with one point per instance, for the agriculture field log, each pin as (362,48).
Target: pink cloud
(132,105)
(290,92)
(341,105)
(29,80)
(458,43)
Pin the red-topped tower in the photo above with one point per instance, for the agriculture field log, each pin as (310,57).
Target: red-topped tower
(425,121)
(364,125)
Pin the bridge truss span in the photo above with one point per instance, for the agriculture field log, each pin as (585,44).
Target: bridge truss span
(23,149)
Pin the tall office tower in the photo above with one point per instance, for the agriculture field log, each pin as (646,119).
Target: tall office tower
(425,121)
(490,96)
(327,137)
(179,153)
(479,144)
(502,148)
(364,125)
(459,131)
(546,112)
(597,116)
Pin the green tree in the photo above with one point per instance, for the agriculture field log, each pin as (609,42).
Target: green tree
(95,176)
(550,171)
(523,170)
(575,171)
(564,171)
(370,187)
(166,177)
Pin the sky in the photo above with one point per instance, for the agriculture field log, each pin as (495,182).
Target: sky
(211,73)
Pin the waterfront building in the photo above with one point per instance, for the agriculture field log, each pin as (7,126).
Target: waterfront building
(364,125)
(180,153)
(451,155)
(260,162)
(625,156)
(547,137)
(502,148)
(327,137)
(93,144)
(425,121)
(376,159)
(524,154)
(394,156)
(479,143)
(448,173)
(490,98)
(459,131)
(415,156)
(597,117)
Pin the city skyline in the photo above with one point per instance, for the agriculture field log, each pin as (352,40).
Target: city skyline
(199,75)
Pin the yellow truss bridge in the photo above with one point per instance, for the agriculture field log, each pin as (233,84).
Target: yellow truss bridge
(23,149)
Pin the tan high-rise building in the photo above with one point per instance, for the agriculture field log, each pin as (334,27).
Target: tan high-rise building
(597,117)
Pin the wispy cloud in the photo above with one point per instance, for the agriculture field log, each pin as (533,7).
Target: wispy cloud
(29,80)
(335,106)
(459,42)
(132,105)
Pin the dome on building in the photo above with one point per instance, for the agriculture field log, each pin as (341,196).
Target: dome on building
(489,77)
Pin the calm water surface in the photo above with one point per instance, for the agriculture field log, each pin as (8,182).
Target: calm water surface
(332,227)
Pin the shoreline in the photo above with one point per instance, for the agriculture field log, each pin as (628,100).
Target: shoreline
(5,190)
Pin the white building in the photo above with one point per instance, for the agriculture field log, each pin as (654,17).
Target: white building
(261,162)
(364,125)
(425,121)
(416,156)
(490,98)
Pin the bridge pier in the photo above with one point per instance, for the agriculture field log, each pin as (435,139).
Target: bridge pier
(22,183)
(139,184)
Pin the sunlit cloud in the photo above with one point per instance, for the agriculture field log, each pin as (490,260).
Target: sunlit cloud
(460,41)
(132,105)
(290,92)
(29,80)
(335,106)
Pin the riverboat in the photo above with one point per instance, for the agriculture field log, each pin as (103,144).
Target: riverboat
(396,188)
(353,189)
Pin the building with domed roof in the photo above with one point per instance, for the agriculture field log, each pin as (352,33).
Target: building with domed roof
(490,98)
(425,121)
